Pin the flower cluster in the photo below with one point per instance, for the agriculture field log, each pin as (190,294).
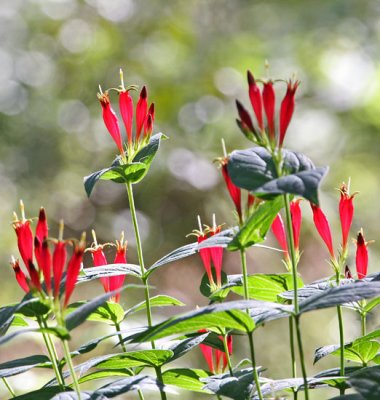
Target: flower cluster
(263,101)
(110,283)
(144,117)
(49,265)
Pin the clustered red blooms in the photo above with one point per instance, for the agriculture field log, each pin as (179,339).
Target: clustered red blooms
(346,214)
(265,100)
(144,117)
(214,356)
(278,229)
(110,283)
(211,256)
(48,266)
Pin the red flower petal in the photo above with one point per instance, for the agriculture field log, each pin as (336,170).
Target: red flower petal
(287,109)
(72,273)
(141,111)
(20,276)
(59,261)
(346,213)
(296,213)
(43,258)
(42,226)
(234,191)
(116,282)
(269,100)
(361,256)
(99,260)
(206,258)
(244,116)
(323,227)
(24,240)
(126,111)
(256,100)
(278,230)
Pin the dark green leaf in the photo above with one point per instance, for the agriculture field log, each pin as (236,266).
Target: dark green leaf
(254,169)
(125,173)
(181,347)
(46,393)
(186,378)
(60,332)
(156,301)
(34,309)
(366,382)
(257,225)
(206,289)
(105,373)
(152,358)
(21,365)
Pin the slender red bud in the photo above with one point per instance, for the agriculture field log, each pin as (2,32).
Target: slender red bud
(24,240)
(323,228)
(244,116)
(42,229)
(287,109)
(278,230)
(59,261)
(361,256)
(141,111)
(296,213)
(111,121)
(34,276)
(256,100)
(43,258)
(233,190)
(116,282)
(269,100)
(346,213)
(347,273)
(126,111)
(20,276)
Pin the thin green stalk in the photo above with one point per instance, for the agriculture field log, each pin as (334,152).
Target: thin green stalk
(144,279)
(227,355)
(341,334)
(363,318)
(9,387)
(293,259)
(122,344)
(69,362)
(292,353)
(250,335)
(52,353)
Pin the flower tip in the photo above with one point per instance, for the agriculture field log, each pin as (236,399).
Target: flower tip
(143,93)
(250,78)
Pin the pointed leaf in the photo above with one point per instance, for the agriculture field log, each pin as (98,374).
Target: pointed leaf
(181,347)
(21,365)
(156,301)
(254,169)
(46,393)
(110,312)
(105,373)
(366,382)
(186,378)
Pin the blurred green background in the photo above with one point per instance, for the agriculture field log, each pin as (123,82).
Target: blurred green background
(193,56)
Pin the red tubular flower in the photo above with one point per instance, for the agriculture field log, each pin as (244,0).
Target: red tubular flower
(323,228)
(287,109)
(234,191)
(20,276)
(126,111)
(24,240)
(141,111)
(59,261)
(99,260)
(207,352)
(278,230)
(256,100)
(116,282)
(34,276)
(346,213)
(148,124)
(245,117)
(296,213)
(111,121)
(214,356)
(73,269)
(361,256)
(42,226)
(206,258)
(269,100)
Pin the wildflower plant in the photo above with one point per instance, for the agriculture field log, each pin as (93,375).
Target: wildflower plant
(267,185)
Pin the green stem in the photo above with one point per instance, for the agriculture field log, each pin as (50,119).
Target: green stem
(69,362)
(243,257)
(122,344)
(363,318)
(143,271)
(293,259)
(227,355)
(255,374)
(9,387)
(52,352)
(341,334)
(292,353)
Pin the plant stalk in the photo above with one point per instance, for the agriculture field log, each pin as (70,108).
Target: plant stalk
(363,318)
(250,335)
(122,344)
(9,387)
(341,334)
(227,355)
(290,235)
(292,353)
(143,271)
(52,352)
(69,362)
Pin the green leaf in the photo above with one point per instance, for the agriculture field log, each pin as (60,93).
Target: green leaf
(34,309)
(21,365)
(366,382)
(78,316)
(221,240)
(257,225)
(110,312)
(186,378)
(60,332)
(151,358)
(254,169)
(372,304)
(19,321)
(108,270)
(181,347)
(363,352)
(206,289)
(105,373)
(216,316)
(123,173)
(156,301)
(46,393)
